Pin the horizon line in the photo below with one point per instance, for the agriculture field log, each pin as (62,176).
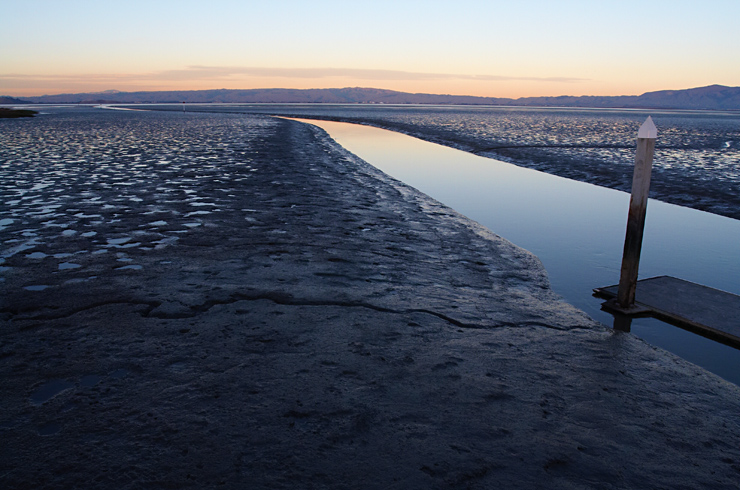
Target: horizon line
(115,91)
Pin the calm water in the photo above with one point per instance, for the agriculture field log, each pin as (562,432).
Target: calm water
(576,229)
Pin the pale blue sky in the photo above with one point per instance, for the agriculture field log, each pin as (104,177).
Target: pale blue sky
(494,48)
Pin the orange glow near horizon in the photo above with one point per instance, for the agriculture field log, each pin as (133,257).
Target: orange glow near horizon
(50,85)
(472,47)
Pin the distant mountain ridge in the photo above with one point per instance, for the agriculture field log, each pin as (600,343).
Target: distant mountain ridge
(4,99)
(713,97)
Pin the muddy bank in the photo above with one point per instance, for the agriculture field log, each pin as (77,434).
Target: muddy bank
(322,326)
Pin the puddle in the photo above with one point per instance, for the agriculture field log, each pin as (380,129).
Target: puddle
(158,223)
(118,241)
(131,267)
(49,390)
(20,248)
(5,222)
(39,287)
(89,234)
(36,255)
(53,224)
(42,185)
(68,265)
(165,241)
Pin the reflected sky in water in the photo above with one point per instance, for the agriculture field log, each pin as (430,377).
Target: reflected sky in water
(576,229)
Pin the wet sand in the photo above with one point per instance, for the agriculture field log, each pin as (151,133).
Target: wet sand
(331,328)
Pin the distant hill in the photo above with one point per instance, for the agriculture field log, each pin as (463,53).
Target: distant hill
(271,95)
(713,97)
(4,99)
(716,97)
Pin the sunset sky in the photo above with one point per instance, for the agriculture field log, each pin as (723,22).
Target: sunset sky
(488,48)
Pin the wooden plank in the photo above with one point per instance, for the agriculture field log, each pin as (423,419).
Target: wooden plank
(704,310)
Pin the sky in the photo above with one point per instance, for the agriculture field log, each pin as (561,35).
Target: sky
(487,48)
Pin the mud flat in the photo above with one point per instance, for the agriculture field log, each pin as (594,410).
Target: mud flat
(323,326)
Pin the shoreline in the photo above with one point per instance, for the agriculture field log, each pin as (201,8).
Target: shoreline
(333,327)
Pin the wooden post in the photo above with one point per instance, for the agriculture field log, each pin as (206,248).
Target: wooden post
(636,219)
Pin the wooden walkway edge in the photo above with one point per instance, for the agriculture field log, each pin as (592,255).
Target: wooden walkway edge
(710,312)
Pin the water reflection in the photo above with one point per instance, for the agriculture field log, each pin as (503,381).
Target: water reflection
(576,229)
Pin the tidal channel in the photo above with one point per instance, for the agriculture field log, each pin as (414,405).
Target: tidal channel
(576,229)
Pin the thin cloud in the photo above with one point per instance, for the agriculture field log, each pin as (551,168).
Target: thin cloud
(200,72)
(197,72)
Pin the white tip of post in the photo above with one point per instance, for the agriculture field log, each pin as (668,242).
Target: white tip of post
(648,129)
